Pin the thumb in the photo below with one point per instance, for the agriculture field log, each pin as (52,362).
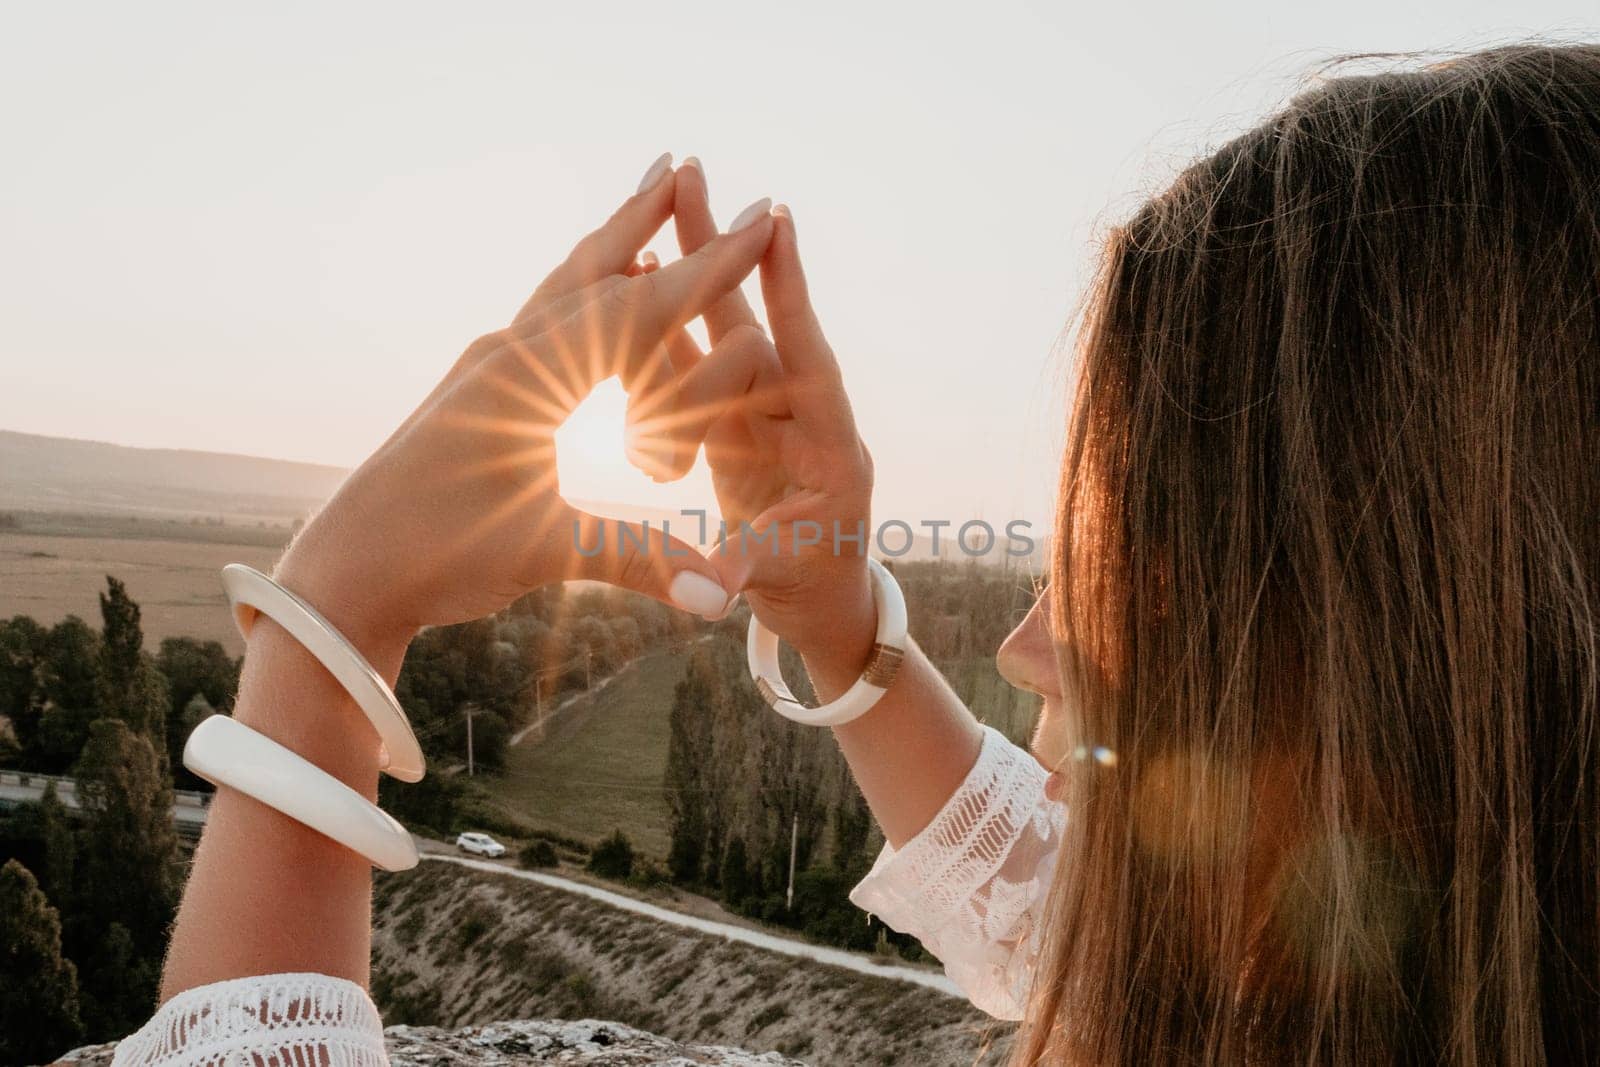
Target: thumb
(640,557)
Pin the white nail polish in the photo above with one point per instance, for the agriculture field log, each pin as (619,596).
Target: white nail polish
(697,593)
(694,161)
(727,609)
(750,215)
(657,171)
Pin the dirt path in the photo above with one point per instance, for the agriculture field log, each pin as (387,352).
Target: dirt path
(833,957)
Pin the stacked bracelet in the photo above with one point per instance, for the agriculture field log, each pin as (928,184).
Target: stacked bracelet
(249,592)
(228,753)
(883,664)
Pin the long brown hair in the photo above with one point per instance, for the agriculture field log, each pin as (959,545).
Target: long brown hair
(1326,584)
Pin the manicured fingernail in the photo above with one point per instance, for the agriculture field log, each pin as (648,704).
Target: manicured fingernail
(697,593)
(750,215)
(650,260)
(657,171)
(727,609)
(783,209)
(694,161)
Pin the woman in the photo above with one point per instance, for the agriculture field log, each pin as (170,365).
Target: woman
(1322,603)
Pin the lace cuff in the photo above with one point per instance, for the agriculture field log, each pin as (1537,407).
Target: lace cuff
(972,884)
(274,1020)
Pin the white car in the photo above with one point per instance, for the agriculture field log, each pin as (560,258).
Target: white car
(480,844)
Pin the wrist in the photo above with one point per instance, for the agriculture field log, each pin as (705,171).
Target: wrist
(287,695)
(355,604)
(834,665)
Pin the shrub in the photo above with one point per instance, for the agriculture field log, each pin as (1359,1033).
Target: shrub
(613,857)
(767,1016)
(538,854)
(649,875)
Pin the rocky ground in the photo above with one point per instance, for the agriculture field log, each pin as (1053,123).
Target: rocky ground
(576,1044)
(454,946)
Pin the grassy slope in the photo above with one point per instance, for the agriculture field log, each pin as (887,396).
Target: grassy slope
(598,765)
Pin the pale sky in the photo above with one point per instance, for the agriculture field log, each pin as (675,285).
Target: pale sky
(270,232)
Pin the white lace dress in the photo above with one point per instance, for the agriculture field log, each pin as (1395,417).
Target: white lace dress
(972,884)
(968,887)
(274,1020)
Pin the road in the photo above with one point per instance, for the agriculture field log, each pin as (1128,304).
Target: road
(16,787)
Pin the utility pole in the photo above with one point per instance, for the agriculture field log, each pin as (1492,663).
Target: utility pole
(794,842)
(468,710)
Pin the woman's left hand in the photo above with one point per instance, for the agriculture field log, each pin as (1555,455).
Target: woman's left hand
(457,514)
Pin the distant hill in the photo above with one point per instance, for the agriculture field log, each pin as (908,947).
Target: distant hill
(62,474)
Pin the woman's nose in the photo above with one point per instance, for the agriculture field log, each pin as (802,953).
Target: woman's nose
(1027,659)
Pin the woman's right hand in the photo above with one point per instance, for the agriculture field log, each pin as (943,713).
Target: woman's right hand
(785,459)
(458,514)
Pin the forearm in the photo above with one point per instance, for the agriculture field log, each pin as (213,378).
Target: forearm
(912,751)
(266,894)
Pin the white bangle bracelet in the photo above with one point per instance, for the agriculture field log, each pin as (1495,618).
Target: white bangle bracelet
(250,591)
(228,753)
(887,651)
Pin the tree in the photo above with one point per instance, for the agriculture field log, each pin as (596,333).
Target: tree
(122,644)
(40,836)
(128,869)
(202,667)
(738,883)
(688,754)
(60,847)
(60,738)
(538,854)
(201,678)
(22,643)
(120,984)
(69,684)
(852,830)
(131,687)
(613,857)
(626,637)
(39,1017)
(72,656)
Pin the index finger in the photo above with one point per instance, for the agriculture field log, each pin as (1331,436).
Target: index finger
(618,332)
(815,385)
(613,247)
(691,216)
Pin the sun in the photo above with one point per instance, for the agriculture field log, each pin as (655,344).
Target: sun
(593,469)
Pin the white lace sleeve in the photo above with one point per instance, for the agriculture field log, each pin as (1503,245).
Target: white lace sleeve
(274,1020)
(971,885)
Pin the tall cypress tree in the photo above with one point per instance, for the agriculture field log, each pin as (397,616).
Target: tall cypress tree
(128,874)
(688,757)
(130,686)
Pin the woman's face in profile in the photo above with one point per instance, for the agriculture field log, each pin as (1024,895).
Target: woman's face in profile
(1027,660)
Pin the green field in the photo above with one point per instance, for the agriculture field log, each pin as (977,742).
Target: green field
(597,765)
